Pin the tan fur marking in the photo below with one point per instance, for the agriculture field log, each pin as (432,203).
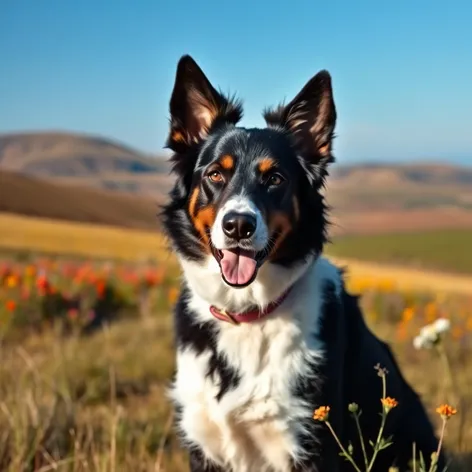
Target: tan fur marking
(279,222)
(193,202)
(265,164)
(227,162)
(203,220)
(178,137)
(325,150)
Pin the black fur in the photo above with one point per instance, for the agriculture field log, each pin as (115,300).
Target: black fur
(201,337)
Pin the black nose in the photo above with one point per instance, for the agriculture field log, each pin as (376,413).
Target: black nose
(239,225)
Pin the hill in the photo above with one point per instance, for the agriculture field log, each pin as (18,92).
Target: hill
(403,186)
(35,197)
(82,159)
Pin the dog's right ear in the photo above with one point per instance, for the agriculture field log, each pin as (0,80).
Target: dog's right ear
(196,107)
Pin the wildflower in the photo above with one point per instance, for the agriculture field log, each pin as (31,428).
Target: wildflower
(408,314)
(10,305)
(381,371)
(446,411)
(321,413)
(11,281)
(172,295)
(430,311)
(42,284)
(442,325)
(30,271)
(388,403)
(353,407)
(430,334)
(100,287)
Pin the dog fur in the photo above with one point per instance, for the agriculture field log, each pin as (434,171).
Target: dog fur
(245,394)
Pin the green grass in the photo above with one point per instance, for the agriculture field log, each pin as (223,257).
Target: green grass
(447,250)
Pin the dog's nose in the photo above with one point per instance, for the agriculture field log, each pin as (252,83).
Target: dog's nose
(239,225)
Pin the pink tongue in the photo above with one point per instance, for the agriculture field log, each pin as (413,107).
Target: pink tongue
(238,266)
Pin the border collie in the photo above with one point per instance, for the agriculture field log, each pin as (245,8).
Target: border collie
(265,330)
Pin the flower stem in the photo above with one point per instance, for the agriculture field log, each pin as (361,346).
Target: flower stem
(454,390)
(382,426)
(432,467)
(414,457)
(346,454)
(361,437)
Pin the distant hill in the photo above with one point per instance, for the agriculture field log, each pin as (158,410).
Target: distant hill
(85,160)
(401,187)
(36,197)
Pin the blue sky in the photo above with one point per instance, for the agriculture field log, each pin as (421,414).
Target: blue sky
(402,70)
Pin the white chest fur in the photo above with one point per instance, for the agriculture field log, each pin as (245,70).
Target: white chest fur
(254,426)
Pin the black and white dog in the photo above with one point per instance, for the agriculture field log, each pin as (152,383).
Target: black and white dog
(265,330)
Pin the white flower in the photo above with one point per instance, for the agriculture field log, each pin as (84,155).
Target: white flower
(431,334)
(442,325)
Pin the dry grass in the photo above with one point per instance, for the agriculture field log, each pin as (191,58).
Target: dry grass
(98,403)
(30,234)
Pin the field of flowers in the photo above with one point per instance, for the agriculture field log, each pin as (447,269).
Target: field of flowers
(86,356)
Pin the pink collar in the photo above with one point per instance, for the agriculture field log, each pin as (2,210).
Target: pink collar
(248,316)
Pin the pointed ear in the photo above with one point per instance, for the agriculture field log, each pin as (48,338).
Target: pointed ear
(310,118)
(195,107)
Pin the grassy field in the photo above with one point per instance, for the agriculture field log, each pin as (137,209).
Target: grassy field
(447,250)
(28,234)
(87,354)
(79,399)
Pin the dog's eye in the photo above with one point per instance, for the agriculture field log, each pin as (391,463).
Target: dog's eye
(275,180)
(215,176)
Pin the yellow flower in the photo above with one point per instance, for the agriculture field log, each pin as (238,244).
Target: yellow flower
(388,403)
(446,411)
(408,314)
(321,413)
(11,281)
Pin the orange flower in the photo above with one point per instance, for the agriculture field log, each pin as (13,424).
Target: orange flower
(100,287)
(172,295)
(11,281)
(10,305)
(446,411)
(430,312)
(30,271)
(408,314)
(388,403)
(321,413)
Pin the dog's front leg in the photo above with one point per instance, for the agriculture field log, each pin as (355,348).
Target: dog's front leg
(198,463)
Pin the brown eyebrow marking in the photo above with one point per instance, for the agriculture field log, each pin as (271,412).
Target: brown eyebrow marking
(227,162)
(265,164)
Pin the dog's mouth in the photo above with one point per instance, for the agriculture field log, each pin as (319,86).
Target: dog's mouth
(239,266)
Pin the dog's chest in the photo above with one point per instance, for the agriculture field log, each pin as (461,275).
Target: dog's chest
(255,423)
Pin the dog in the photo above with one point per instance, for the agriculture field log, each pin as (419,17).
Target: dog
(265,330)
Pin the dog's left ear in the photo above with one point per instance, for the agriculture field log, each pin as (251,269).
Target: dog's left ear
(196,107)
(310,118)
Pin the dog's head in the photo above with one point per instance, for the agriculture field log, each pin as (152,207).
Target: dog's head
(247,197)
